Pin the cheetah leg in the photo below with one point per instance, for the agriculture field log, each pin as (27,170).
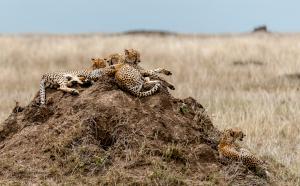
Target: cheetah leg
(156,71)
(85,79)
(63,87)
(42,92)
(148,81)
(82,78)
(97,73)
(72,79)
(172,87)
(154,74)
(166,83)
(78,79)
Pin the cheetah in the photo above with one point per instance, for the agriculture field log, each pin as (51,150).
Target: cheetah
(117,58)
(229,149)
(114,59)
(129,77)
(65,79)
(97,63)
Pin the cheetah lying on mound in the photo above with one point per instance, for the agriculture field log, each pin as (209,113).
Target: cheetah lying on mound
(116,58)
(64,79)
(128,74)
(130,77)
(229,149)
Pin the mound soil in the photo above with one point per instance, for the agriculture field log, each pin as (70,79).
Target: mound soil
(105,136)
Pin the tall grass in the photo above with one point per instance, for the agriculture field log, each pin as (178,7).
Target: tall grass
(242,80)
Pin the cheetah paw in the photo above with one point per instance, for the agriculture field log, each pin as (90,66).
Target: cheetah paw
(167,72)
(75,92)
(171,87)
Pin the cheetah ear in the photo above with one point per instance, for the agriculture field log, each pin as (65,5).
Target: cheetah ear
(126,51)
(231,133)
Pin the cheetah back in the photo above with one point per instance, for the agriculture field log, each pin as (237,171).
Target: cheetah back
(129,77)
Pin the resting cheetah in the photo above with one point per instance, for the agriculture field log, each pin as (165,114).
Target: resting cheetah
(97,63)
(229,149)
(116,58)
(64,79)
(129,77)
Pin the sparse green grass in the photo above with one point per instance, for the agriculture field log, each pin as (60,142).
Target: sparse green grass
(252,96)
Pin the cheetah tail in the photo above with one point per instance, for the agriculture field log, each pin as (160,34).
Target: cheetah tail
(42,92)
(149,92)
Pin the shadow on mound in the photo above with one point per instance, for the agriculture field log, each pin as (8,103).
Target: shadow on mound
(107,136)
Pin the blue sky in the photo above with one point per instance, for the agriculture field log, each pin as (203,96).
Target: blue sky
(189,16)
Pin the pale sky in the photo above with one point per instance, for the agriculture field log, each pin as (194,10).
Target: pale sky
(188,16)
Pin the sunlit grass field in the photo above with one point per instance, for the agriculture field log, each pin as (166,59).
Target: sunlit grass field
(249,81)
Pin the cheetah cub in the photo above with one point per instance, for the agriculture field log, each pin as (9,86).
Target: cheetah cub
(116,58)
(65,79)
(97,63)
(230,149)
(129,77)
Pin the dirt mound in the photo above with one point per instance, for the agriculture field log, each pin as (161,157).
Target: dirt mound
(107,136)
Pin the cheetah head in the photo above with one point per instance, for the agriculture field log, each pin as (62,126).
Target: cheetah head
(114,59)
(231,135)
(237,133)
(132,56)
(98,63)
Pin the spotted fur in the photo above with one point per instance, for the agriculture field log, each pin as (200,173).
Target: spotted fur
(64,79)
(117,58)
(229,149)
(114,59)
(129,77)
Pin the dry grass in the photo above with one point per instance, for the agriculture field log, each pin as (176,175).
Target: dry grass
(239,79)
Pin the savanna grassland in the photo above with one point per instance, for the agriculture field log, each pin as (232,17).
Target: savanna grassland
(250,81)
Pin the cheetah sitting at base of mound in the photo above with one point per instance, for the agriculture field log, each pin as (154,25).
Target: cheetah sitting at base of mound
(130,78)
(229,149)
(116,58)
(65,79)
